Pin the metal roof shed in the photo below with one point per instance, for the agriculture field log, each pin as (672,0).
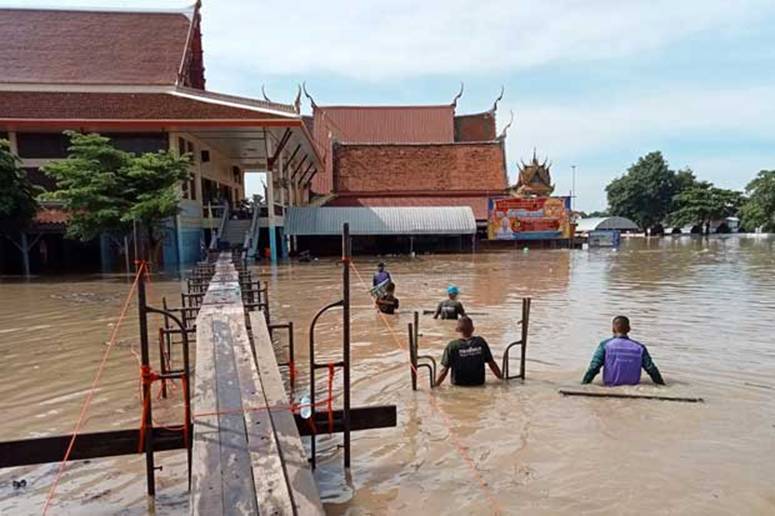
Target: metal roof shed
(317,221)
(603,223)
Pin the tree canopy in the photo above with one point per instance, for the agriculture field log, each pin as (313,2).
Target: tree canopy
(645,193)
(702,203)
(18,203)
(105,189)
(759,208)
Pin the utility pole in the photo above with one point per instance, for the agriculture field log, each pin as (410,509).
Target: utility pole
(573,190)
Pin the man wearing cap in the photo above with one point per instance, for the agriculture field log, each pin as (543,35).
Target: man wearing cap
(466,357)
(450,308)
(622,358)
(381,276)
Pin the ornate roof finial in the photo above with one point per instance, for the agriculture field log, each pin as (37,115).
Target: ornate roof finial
(502,135)
(263,92)
(457,97)
(297,102)
(535,179)
(500,97)
(306,94)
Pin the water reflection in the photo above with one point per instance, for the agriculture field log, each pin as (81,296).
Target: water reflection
(703,306)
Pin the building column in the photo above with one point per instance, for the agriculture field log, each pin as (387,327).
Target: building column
(271,216)
(284,201)
(173,149)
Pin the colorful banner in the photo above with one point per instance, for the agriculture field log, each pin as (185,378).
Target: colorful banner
(536,218)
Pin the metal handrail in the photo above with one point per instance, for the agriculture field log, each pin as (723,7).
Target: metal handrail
(312,367)
(216,236)
(252,241)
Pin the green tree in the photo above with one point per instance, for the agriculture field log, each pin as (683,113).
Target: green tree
(702,203)
(645,193)
(759,208)
(107,190)
(18,203)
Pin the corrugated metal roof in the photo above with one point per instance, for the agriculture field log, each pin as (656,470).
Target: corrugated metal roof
(477,204)
(596,223)
(381,221)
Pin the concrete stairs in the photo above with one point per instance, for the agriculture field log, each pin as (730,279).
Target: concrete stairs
(234,232)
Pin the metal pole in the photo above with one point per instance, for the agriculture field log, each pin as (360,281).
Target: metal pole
(346,339)
(292,365)
(573,190)
(146,363)
(525,323)
(412,359)
(135,243)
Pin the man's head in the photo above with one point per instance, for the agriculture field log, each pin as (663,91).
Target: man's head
(380,266)
(452,291)
(465,326)
(390,288)
(621,325)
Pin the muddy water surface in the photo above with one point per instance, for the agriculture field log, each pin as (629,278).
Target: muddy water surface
(704,307)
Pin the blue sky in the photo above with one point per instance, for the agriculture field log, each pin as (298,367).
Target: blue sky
(594,83)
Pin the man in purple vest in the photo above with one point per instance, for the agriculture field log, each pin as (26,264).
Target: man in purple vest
(622,358)
(381,276)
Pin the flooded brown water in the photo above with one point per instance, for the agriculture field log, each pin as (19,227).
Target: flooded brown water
(703,306)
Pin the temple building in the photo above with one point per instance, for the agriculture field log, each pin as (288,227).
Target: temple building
(409,156)
(138,77)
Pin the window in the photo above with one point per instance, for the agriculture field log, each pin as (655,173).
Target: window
(139,143)
(205,155)
(42,145)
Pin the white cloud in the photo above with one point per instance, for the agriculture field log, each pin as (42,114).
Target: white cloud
(406,38)
(571,134)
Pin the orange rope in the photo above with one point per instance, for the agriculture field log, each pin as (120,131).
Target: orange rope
(447,422)
(90,395)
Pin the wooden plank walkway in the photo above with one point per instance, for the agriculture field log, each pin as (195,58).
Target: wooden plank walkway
(246,459)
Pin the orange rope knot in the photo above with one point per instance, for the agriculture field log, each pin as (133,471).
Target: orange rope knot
(148,375)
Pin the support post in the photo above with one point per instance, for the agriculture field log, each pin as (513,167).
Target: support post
(525,323)
(412,358)
(146,363)
(346,256)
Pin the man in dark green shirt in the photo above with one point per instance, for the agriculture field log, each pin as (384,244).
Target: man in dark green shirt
(466,357)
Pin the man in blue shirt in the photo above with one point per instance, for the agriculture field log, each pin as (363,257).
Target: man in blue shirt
(621,358)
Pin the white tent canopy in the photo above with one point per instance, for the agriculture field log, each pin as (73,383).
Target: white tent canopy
(603,223)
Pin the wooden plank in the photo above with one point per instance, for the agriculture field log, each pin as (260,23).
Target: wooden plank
(206,486)
(238,490)
(42,450)
(241,466)
(597,394)
(304,490)
(271,486)
(361,418)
